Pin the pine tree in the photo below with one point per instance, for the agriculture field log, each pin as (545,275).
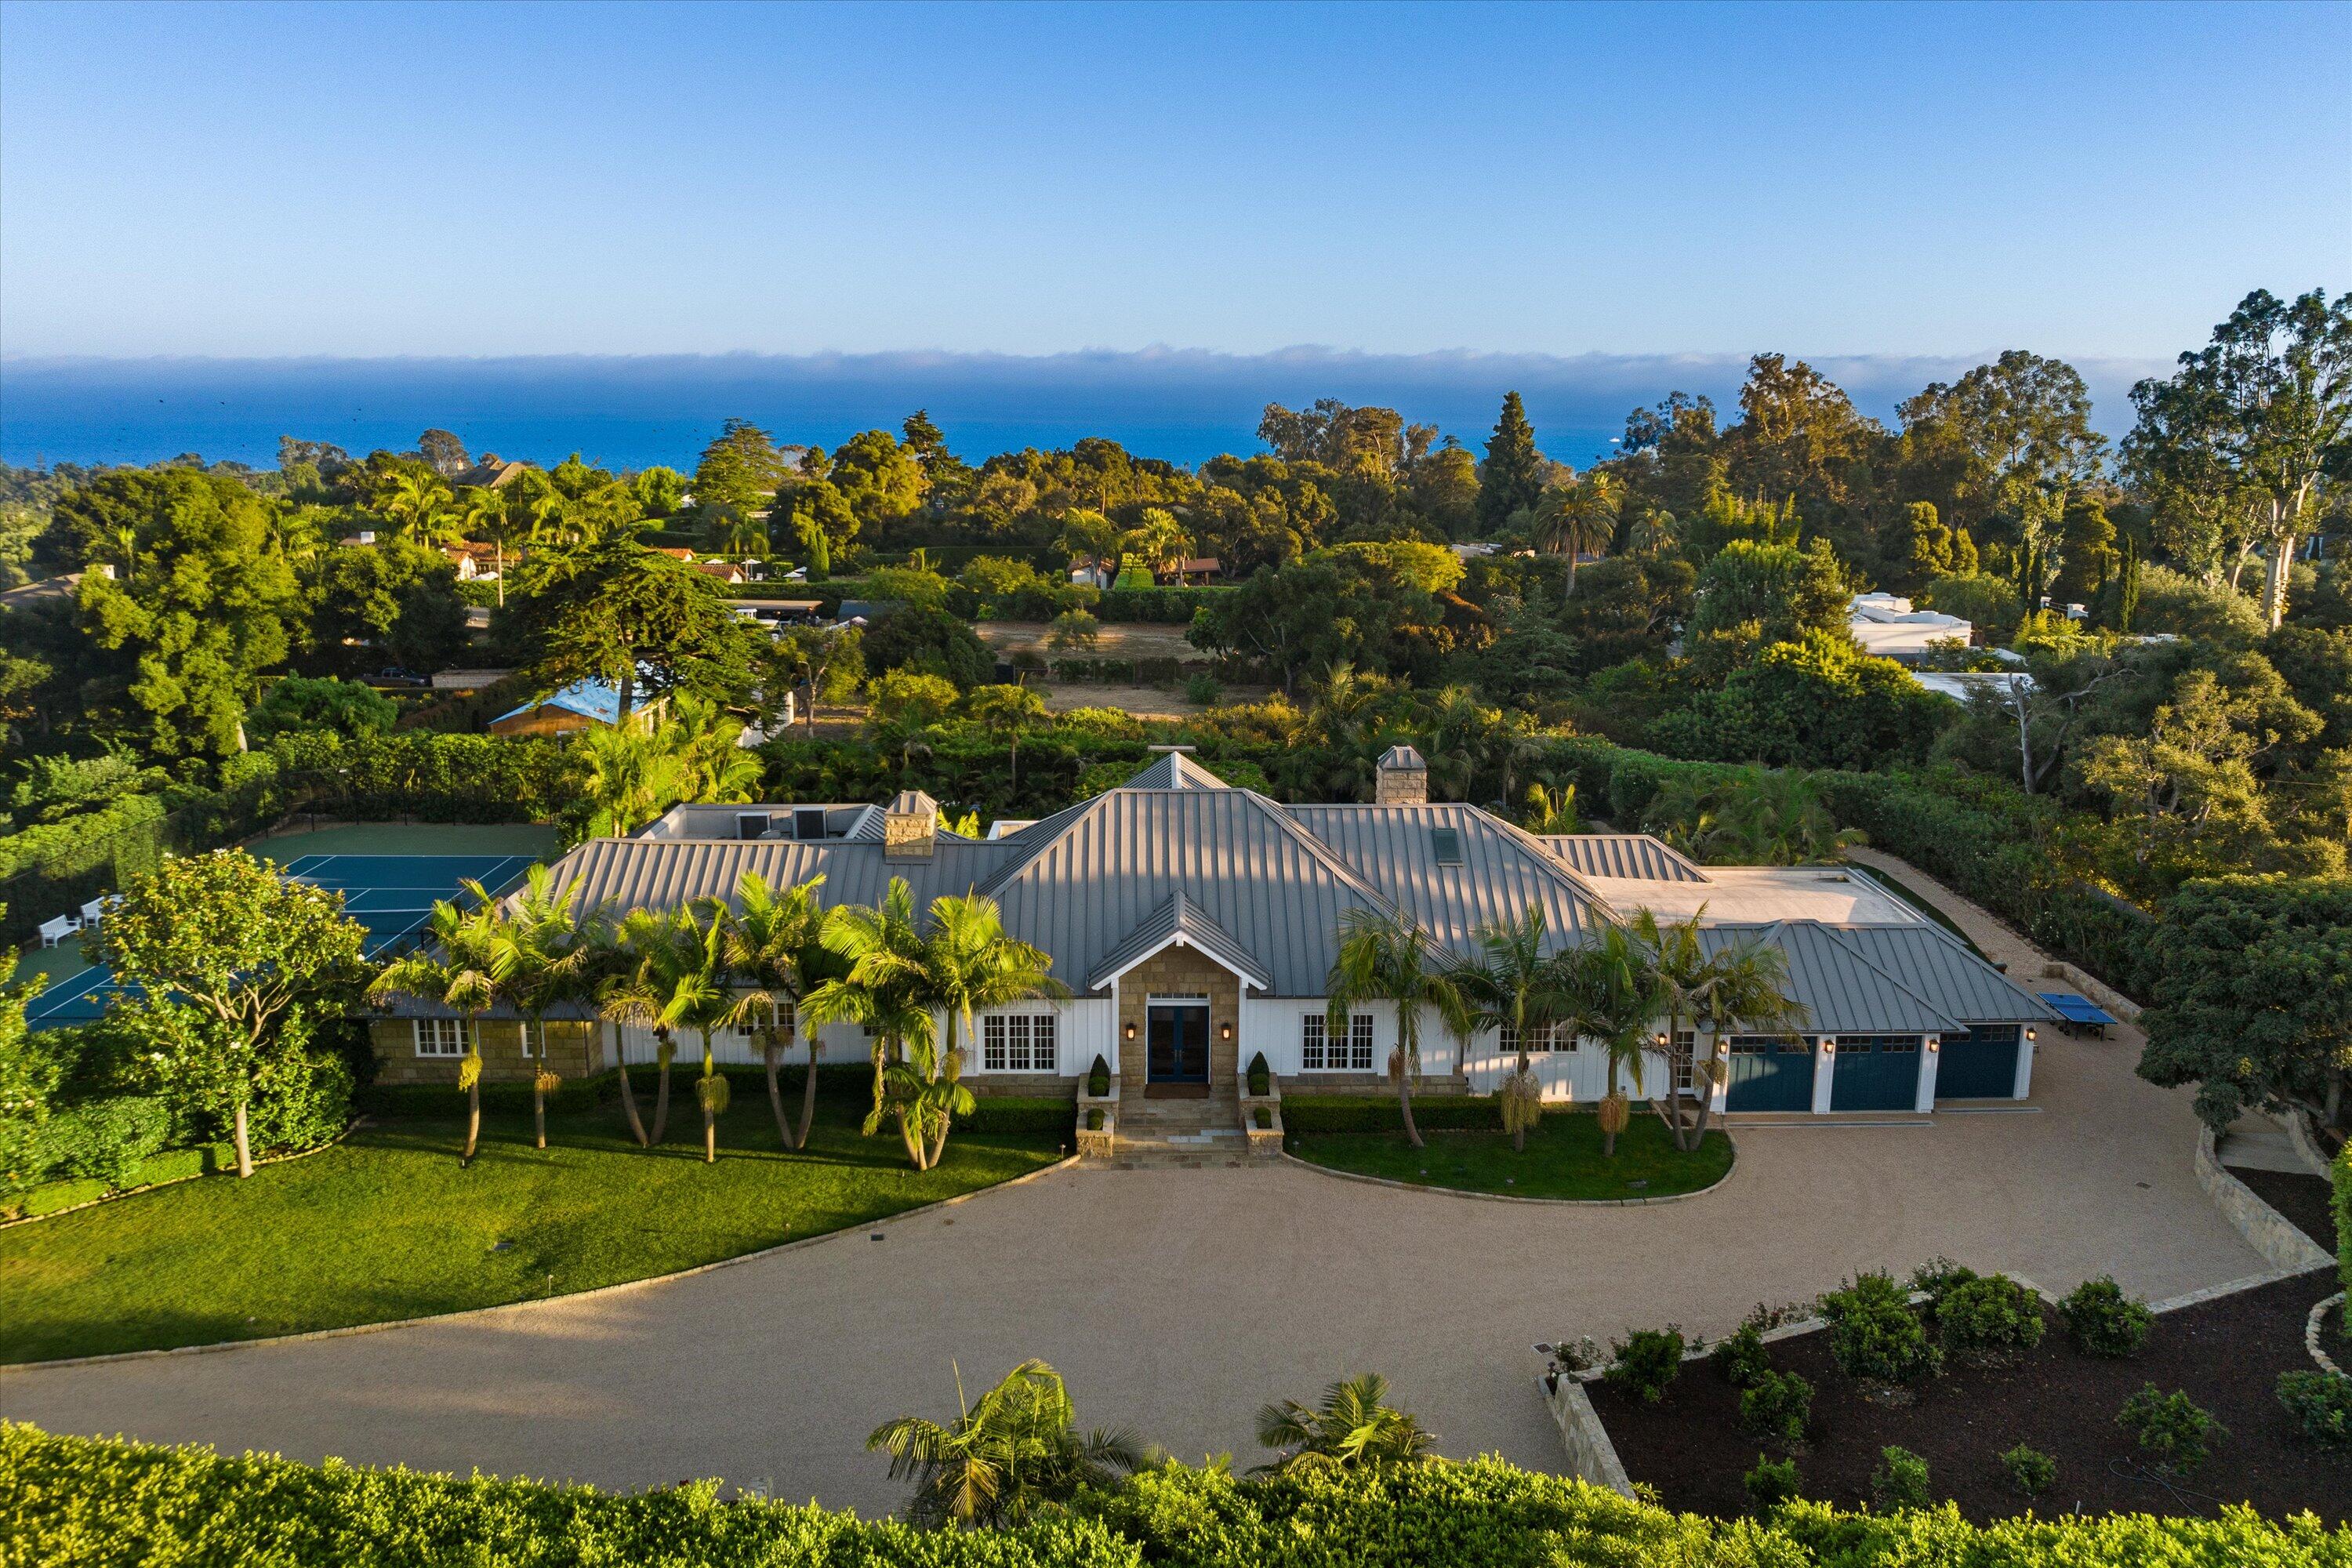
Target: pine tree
(1512,477)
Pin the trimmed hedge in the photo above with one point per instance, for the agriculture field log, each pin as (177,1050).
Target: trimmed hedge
(1379,1112)
(111,1505)
(171,1165)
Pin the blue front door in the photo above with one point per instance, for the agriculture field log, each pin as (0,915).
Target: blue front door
(1978,1065)
(1769,1074)
(1876,1072)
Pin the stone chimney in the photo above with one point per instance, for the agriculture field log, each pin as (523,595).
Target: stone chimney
(1401,778)
(910,826)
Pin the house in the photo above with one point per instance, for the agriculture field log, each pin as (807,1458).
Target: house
(675,551)
(1887,627)
(725,571)
(1194,925)
(491,473)
(476,563)
(582,705)
(1195,569)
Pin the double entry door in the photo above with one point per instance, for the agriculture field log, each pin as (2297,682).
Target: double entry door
(1176,1045)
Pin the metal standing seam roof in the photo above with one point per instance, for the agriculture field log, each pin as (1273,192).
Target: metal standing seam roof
(1501,872)
(643,873)
(1932,962)
(1625,856)
(1174,770)
(1180,921)
(597,699)
(1843,992)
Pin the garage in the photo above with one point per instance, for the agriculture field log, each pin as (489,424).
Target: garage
(1769,1074)
(1876,1072)
(1978,1065)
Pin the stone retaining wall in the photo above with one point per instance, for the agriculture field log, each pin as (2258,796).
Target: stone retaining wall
(1590,1455)
(2266,1230)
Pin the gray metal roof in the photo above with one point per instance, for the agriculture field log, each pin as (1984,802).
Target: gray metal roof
(1626,857)
(1085,879)
(1174,770)
(1502,869)
(1181,921)
(1842,993)
(1932,962)
(637,873)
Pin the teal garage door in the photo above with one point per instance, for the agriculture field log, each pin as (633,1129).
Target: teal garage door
(1876,1072)
(1978,1065)
(1769,1074)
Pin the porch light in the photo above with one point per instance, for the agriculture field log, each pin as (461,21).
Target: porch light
(1661,1038)
(1828,1047)
(2032,1035)
(1131,1031)
(1933,1042)
(1225,1031)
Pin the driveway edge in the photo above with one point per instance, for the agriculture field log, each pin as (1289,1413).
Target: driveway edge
(349,1329)
(1509,1198)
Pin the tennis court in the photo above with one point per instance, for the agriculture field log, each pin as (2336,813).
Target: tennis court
(391,895)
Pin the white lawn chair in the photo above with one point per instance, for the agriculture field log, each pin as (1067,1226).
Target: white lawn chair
(92,912)
(57,931)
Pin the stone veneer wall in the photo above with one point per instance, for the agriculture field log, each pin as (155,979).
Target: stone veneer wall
(575,1048)
(1172,971)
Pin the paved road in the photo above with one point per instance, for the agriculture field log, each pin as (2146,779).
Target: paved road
(1180,1300)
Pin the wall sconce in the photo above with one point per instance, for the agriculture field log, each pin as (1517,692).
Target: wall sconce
(1131,1031)
(2032,1036)
(1828,1047)
(1661,1039)
(1932,1044)
(1225,1031)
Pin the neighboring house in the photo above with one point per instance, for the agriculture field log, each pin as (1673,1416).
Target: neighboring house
(1887,627)
(725,571)
(475,563)
(491,473)
(864,611)
(676,552)
(582,705)
(1198,568)
(467,679)
(1195,923)
(773,613)
(1960,685)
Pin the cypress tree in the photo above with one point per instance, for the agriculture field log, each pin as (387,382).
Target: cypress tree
(1512,477)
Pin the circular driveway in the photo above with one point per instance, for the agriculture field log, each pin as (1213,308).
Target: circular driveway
(1177,1302)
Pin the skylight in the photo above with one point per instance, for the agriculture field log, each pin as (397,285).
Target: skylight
(1445,843)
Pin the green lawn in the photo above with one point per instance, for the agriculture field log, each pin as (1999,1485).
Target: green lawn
(387,1225)
(1562,1159)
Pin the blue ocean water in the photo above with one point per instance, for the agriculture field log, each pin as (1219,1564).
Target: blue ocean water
(633,413)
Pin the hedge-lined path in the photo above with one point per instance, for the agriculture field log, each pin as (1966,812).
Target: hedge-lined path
(1180,1300)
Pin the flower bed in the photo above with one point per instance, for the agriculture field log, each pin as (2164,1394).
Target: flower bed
(2226,1354)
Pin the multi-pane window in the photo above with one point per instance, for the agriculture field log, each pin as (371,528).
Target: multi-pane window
(1543,1037)
(1685,1061)
(1320,1052)
(440,1036)
(1019,1042)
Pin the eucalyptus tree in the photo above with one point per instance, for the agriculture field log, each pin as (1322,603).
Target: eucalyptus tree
(1388,957)
(774,940)
(452,966)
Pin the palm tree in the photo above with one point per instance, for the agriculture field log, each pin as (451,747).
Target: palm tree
(773,940)
(1748,988)
(707,763)
(656,988)
(1550,810)
(1002,713)
(1018,1449)
(1606,998)
(452,968)
(482,514)
(1387,957)
(630,774)
(1777,816)
(702,1002)
(1509,984)
(418,499)
(540,956)
(1353,1428)
(1579,516)
(969,964)
(1677,973)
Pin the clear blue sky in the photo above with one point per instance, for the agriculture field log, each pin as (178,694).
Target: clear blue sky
(386,179)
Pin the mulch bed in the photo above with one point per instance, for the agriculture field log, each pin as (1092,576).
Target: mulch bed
(2302,1200)
(2227,1353)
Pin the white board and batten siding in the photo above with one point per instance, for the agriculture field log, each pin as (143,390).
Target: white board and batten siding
(1083,1028)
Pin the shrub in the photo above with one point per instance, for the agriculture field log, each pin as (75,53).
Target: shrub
(1778,1404)
(1203,688)
(1645,1363)
(1099,1079)
(1900,1480)
(1938,1278)
(2321,1404)
(1264,1115)
(108,1140)
(1989,1321)
(1260,1078)
(1740,1358)
(1771,1483)
(1873,1334)
(2173,1430)
(2030,1470)
(2105,1322)
(1379,1112)
(1094,1119)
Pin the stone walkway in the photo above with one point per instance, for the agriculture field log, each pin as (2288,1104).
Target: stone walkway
(1179,1300)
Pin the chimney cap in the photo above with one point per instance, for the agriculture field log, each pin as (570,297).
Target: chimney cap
(912,801)
(1403,756)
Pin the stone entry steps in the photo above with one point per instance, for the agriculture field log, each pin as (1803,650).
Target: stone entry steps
(1189,1134)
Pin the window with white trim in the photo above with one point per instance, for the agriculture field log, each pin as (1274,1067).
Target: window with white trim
(1686,1057)
(439,1036)
(1317,1052)
(1544,1037)
(532,1040)
(1020,1042)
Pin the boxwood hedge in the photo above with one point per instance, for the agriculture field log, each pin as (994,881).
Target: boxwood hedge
(111,1505)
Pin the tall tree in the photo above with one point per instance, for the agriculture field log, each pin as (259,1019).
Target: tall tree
(1511,480)
(1509,984)
(640,621)
(774,942)
(542,957)
(245,951)
(450,967)
(740,470)
(1388,958)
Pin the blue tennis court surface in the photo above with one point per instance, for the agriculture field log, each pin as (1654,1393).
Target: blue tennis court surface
(391,895)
